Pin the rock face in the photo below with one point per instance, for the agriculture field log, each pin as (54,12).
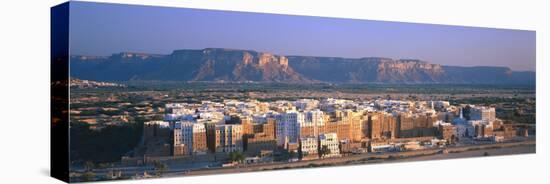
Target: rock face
(385,70)
(188,65)
(229,65)
(236,65)
(408,71)
(370,70)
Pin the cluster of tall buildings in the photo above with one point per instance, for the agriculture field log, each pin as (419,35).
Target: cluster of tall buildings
(480,122)
(316,128)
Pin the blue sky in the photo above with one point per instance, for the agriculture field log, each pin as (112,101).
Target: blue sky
(103,29)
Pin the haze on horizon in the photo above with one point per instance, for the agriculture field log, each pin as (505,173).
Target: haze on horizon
(99,29)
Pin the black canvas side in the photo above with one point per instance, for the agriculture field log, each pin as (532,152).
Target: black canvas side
(59,91)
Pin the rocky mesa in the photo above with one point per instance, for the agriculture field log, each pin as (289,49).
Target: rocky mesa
(233,65)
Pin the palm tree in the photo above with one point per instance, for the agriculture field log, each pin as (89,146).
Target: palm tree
(160,168)
(88,176)
(88,165)
(293,154)
(236,156)
(324,151)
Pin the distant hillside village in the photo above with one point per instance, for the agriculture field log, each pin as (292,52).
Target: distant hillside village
(77,83)
(309,129)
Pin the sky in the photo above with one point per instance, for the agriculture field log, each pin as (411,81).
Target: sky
(99,29)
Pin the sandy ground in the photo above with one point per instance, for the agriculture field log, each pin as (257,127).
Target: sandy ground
(474,153)
(362,159)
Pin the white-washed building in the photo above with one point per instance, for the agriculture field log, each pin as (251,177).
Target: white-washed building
(330,140)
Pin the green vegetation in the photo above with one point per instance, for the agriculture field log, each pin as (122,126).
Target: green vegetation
(285,155)
(517,110)
(487,101)
(236,156)
(324,151)
(88,176)
(321,87)
(89,166)
(108,144)
(88,113)
(160,168)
